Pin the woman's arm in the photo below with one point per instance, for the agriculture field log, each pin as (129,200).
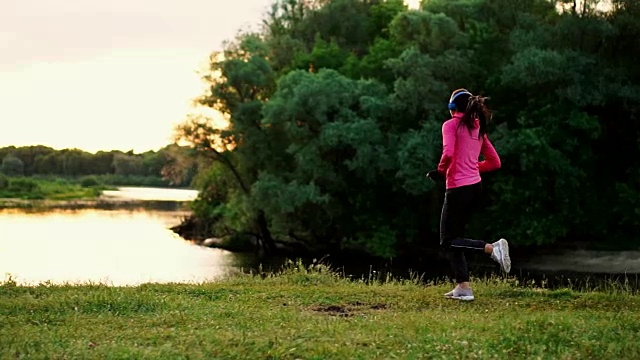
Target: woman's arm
(448,145)
(491,159)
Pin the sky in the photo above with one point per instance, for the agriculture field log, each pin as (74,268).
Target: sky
(108,74)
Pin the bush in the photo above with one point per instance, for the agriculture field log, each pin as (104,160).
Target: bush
(89,181)
(23,186)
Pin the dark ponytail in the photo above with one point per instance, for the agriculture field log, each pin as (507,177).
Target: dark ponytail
(476,109)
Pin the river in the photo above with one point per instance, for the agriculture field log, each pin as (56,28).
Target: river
(115,247)
(135,245)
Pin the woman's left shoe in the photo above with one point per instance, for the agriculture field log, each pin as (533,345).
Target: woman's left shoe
(501,254)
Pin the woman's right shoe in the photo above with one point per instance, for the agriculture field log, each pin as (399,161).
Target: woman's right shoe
(460,294)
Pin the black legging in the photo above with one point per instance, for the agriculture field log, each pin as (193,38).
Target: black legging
(459,204)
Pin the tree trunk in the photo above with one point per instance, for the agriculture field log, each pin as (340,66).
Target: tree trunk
(265,239)
(268,245)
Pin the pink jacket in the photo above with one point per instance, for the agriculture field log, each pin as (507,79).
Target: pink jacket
(461,150)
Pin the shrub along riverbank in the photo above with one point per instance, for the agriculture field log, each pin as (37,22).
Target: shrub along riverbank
(28,188)
(66,188)
(313,313)
(76,193)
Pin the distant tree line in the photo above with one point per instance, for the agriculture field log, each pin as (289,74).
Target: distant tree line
(170,165)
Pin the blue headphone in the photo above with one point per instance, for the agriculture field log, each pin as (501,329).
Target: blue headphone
(452,106)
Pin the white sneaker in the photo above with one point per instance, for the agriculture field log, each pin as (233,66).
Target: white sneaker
(501,254)
(460,294)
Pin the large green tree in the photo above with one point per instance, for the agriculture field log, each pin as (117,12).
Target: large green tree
(334,112)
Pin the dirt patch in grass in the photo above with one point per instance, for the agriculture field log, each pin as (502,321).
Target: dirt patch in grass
(348,310)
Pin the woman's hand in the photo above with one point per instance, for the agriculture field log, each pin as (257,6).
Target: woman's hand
(435,175)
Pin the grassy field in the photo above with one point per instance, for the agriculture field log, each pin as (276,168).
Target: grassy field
(306,313)
(27,188)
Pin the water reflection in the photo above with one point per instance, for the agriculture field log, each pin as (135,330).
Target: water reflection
(117,247)
(143,193)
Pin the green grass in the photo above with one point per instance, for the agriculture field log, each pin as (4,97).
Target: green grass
(49,187)
(314,314)
(27,188)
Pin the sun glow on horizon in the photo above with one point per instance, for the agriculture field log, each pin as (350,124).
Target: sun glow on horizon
(127,100)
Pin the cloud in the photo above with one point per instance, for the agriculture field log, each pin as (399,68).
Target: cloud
(61,30)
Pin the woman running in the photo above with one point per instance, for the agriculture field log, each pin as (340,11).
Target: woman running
(464,139)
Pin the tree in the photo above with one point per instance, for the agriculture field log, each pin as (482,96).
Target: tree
(335,148)
(102,163)
(240,80)
(176,165)
(334,113)
(125,164)
(76,162)
(12,166)
(47,164)
(29,155)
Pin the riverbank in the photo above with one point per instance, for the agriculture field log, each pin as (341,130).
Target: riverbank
(18,191)
(104,203)
(564,262)
(65,196)
(308,313)
(30,188)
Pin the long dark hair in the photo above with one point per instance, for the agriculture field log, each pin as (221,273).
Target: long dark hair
(475,108)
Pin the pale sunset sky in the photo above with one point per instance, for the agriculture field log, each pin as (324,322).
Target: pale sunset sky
(108,74)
